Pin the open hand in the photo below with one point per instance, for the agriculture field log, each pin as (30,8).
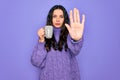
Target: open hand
(76,26)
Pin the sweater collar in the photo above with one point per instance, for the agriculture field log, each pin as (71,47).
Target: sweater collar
(56,30)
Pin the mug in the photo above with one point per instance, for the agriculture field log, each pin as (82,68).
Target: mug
(48,31)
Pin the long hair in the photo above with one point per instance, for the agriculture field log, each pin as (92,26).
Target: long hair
(62,43)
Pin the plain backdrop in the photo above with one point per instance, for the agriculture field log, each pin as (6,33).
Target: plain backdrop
(20,20)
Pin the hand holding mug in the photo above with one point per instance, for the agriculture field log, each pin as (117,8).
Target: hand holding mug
(47,32)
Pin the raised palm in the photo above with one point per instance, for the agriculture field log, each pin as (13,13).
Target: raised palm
(76,26)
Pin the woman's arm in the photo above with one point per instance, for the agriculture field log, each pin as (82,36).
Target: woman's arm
(75,28)
(74,46)
(39,54)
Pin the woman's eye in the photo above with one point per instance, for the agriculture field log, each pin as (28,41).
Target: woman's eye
(54,16)
(61,16)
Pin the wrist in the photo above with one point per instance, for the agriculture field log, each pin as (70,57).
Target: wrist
(41,39)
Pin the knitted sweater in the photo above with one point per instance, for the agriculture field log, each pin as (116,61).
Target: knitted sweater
(57,65)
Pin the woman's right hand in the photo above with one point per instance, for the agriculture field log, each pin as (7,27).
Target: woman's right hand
(41,34)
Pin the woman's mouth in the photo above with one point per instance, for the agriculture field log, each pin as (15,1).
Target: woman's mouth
(57,23)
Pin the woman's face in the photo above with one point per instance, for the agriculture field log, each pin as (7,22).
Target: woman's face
(57,18)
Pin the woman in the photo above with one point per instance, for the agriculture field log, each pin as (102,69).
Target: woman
(56,57)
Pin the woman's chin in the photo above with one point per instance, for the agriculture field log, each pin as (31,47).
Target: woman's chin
(57,26)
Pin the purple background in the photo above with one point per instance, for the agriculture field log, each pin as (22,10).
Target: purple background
(19,21)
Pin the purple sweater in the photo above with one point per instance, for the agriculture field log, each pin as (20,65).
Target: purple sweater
(56,65)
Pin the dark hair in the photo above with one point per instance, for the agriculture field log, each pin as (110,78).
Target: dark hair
(62,43)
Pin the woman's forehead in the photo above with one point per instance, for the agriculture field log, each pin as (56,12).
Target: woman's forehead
(58,11)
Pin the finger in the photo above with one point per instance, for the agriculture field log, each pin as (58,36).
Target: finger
(83,19)
(43,32)
(68,27)
(75,15)
(40,32)
(71,17)
(78,16)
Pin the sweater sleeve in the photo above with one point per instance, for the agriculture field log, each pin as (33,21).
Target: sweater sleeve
(74,46)
(38,57)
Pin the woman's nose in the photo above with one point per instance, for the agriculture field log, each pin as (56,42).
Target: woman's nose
(58,20)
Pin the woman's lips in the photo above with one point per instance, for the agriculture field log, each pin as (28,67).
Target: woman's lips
(57,23)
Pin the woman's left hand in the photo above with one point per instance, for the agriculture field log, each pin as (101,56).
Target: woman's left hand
(76,26)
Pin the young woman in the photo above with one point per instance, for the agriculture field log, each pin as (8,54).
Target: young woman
(56,57)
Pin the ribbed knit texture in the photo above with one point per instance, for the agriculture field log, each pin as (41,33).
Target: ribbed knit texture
(56,65)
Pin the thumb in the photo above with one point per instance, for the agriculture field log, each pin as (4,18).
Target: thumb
(68,27)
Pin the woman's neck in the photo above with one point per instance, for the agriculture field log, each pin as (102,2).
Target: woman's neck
(55,29)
